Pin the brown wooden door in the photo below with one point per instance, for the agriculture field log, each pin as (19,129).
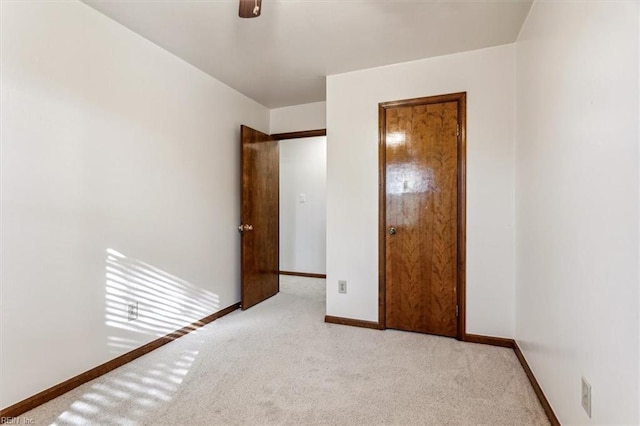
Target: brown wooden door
(422,202)
(259,217)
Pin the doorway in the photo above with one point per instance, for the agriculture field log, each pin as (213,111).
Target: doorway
(303,182)
(422,214)
(259,221)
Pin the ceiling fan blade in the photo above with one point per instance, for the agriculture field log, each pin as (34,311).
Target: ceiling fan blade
(250,8)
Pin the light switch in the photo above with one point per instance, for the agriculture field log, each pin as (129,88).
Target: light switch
(303,198)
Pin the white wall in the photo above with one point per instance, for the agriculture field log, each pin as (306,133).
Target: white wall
(577,206)
(119,182)
(303,172)
(352,180)
(298,118)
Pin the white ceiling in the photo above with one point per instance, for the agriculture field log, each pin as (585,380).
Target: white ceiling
(282,57)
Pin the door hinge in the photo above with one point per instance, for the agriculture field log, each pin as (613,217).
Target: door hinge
(457,310)
(457,130)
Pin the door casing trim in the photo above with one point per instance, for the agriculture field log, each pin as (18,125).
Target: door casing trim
(299,135)
(461,99)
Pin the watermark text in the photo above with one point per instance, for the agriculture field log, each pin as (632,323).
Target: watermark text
(17,421)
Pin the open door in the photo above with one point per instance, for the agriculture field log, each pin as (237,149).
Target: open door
(259,217)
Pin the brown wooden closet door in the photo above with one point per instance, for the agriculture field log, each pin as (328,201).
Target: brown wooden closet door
(421,209)
(259,217)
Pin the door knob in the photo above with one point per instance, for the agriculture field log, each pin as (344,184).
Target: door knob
(245,228)
(392,231)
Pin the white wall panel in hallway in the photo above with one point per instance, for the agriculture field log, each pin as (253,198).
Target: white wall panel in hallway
(303,177)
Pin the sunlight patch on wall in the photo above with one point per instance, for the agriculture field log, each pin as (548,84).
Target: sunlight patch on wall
(143,299)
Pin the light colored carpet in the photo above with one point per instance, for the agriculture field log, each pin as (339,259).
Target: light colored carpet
(279,363)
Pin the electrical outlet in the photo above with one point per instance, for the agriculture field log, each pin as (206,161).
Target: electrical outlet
(342,286)
(586,396)
(132,311)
